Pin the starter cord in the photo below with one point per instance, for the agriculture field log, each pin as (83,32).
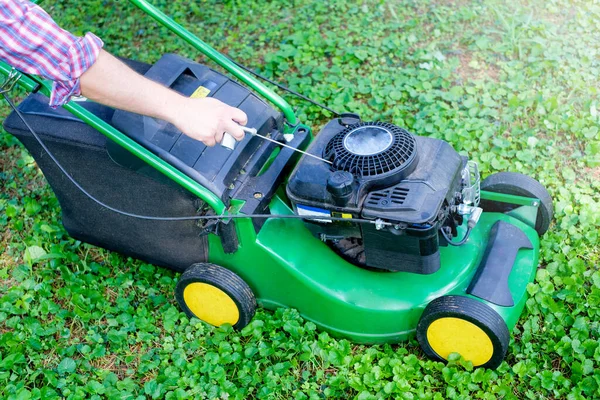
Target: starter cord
(189,218)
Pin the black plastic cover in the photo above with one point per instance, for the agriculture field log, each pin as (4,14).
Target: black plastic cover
(214,167)
(414,204)
(417,199)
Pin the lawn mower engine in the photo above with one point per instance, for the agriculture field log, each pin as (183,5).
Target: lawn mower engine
(410,186)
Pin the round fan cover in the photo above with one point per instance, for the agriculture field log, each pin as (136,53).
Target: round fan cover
(375,151)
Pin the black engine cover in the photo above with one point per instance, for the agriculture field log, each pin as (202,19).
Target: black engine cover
(415,199)
(412,200)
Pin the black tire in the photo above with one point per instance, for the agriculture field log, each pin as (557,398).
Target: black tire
(226,282)
(520,185)
(444,312)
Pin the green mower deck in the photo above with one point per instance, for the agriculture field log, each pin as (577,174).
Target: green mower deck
(288,267)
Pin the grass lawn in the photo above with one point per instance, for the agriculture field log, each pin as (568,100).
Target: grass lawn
(515,85)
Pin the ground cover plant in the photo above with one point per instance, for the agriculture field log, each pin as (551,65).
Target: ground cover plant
(514,85)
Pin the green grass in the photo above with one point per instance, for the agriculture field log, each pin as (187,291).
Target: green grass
(513,86)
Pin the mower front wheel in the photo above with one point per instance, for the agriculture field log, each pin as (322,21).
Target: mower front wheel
(215,295)
(459,324)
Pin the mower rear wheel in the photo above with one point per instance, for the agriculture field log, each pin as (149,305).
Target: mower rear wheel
(215,295)
(459,324)
(520,185)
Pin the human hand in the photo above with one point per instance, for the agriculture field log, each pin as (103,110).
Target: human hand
(207,119)
(110,82)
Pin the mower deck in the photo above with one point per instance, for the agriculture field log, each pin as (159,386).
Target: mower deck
(363,305)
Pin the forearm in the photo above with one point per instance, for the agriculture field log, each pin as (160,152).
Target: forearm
(32,42)
(109,81)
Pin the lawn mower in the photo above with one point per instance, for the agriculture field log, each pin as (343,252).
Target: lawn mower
(373,233)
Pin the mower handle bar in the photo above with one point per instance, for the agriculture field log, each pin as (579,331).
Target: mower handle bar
(33,84)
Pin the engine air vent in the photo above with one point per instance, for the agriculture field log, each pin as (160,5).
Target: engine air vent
(387,197)
(399,195)
(373,151)
(375,197)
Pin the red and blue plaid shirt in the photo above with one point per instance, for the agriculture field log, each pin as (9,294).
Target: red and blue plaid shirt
(33,43)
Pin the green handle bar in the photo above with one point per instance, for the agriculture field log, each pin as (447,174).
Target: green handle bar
(219,58)
(31,83)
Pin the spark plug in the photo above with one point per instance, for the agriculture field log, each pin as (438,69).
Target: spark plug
(474,217)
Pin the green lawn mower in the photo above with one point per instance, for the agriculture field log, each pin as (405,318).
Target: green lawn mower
(369,231)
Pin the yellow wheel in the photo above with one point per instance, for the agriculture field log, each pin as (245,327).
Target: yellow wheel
(458,324)
(215,295)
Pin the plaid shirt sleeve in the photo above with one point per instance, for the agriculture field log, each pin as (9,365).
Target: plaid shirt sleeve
(33,43)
